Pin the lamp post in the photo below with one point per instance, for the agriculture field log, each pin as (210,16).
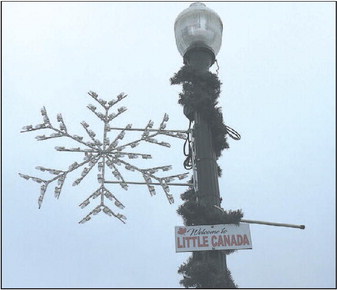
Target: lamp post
(198,32)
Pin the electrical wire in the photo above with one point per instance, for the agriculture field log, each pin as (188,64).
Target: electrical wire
(217,70)
(188,150)
(232,133)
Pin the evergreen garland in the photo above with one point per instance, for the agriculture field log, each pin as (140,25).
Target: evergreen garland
(200,93)
(194,213)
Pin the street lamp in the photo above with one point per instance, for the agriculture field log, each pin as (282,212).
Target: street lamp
(198,33)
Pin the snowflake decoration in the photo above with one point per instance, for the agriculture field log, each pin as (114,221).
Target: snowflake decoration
(106,155)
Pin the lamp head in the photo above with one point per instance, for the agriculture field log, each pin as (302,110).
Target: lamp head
(198,28)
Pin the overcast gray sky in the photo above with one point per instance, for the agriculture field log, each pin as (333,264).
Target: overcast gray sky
(277,65)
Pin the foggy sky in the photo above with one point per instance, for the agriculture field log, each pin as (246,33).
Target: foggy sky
(277,66)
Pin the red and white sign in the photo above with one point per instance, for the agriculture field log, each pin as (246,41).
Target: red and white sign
(216,237)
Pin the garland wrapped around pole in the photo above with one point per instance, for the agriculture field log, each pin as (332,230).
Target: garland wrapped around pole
(200,93)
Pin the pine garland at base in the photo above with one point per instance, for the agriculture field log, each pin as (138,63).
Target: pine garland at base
(204,274)
(200,93)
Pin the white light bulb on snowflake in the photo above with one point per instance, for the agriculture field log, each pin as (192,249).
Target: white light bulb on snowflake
(152,190)
(146,156)
(128,167)
(182,176)
(96,210)
(93,94)
(57,192)
(97,142)
(91,107)
(76,182)
(102,102)
(107,211)
(165,144)
(41,137)
(87,218)
(84,172)
(100,166)
(108,195)
(132,156)
(162,126)
(170,198)
(111,102)
(100,115)
(166,117)
(121,216)
(40,200)
(121,96)
(118,204)
(111,116)
(38,180)
(43,189)
(78,137)
(96,194)
(91,133)
(71,167)
(85,124)
(121,135)
(27,128)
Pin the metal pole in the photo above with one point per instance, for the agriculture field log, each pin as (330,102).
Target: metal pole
(150,183)
(302,227)
(205,159)
(148,129)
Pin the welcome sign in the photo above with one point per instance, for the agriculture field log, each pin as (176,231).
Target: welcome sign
(212,237)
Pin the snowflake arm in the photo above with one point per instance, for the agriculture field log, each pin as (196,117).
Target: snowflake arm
(60,177)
